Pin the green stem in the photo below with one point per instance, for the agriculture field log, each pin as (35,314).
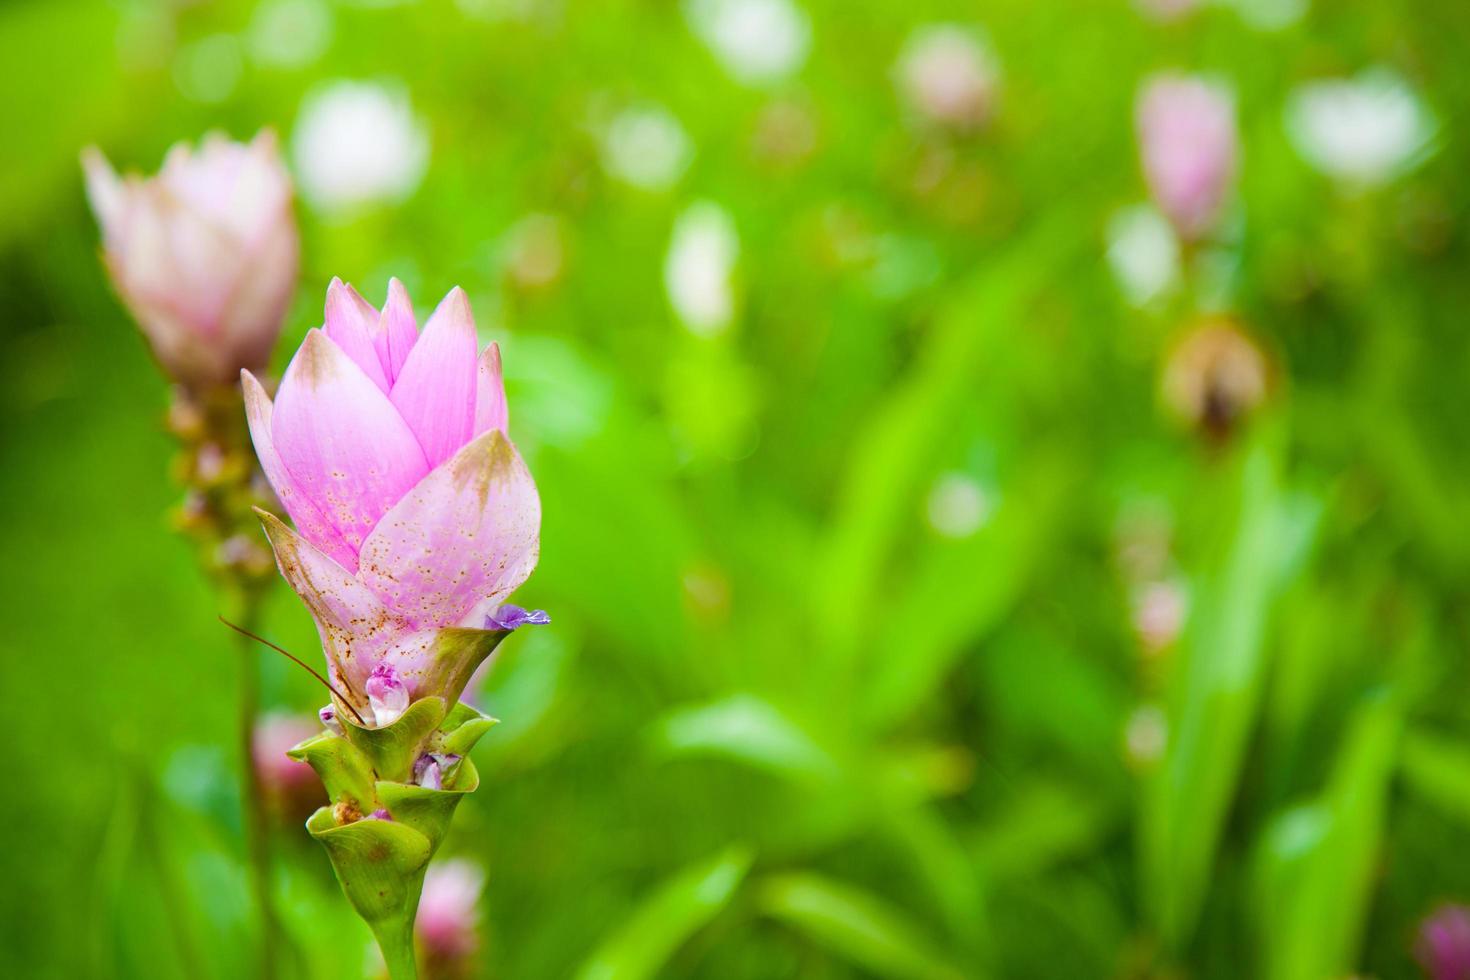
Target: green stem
(252,797)
(395,939)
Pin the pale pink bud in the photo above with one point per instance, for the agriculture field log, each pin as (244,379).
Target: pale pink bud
(449,918)
(204,254)
(413,510)
(948,76)
(1187,138)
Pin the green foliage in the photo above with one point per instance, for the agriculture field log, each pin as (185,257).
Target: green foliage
(860,662)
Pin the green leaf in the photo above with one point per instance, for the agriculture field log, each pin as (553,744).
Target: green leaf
(855,925)
(1317,865)
(1214,701)
(663,922)
(746,729)
(1436,767)
(429,811)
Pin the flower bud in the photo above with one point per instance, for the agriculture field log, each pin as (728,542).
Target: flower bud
(328,715)
(387,695)
(948,76)
(291,786)
(1443,946)
(204,254)
(415,516)
(1214,377)
(1187,138)
(509,617)
(448,919)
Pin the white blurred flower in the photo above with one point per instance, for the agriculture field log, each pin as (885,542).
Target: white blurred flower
(1143,253)
(758,41)
(1363,131)
(699,267)
(357,143)
(289,33)
(958,506)
(947,74)
(645,146)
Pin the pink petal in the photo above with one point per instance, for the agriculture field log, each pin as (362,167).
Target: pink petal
(356,629)
(397,330)
(105,191)
(341,440)
(491,411)
(469,532)
(307,516)
(351,323)
(435,393)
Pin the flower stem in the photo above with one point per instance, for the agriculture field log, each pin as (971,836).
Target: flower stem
(252,796)
(395,939)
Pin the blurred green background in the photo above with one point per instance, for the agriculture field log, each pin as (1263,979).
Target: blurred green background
(900,626)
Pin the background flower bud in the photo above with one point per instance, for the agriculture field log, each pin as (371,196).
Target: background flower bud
(290,786)
(1189,146)
(204,254)
(1443,946)
(448,921)
(948,76)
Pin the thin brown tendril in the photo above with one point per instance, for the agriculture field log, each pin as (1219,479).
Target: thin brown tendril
(299,662)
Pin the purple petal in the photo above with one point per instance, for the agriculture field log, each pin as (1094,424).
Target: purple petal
(351,323)
(509,617)
(379,814)
(340,439)
(328,715)
(308,518)
(435,394)
(470,532)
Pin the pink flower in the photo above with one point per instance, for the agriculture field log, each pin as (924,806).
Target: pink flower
(414,513)
(448,920)
(1443,946)
(948,76)
(1186,134)
(293,785)
(204,255)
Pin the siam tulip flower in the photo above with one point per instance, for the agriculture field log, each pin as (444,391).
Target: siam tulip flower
(1187,138)
(415,520)
(948,76)
(1443,946)
(449,918)
(204,254)
(415,516)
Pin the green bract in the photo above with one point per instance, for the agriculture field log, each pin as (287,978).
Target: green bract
(381,830)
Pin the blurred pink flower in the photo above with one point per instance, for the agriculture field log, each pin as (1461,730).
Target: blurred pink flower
(291,784)
(449,917)
(414,512)
(204,255)
(1188,141)
(948,76)
(1443,947)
